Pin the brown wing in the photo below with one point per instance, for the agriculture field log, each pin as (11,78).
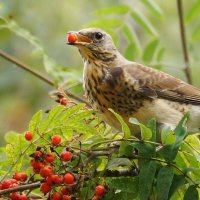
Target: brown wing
(157,84)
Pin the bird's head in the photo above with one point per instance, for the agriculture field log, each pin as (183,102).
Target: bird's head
(93,43)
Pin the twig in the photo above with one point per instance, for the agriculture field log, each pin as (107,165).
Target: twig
(21,188)
(37,74)
(25,67)
(187,69)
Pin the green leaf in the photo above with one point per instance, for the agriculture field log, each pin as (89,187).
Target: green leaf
(21,32)
(125,184)
(11,136)
(123,150)
(145,150)
(167,136)
(152,126)
(150,50)
(170,150)
(106,23)
(193,12)
(146,133)
(82,128)
(191,194)
(134,44)
(69,113)
(35,121)
(146,177)
(49,64)
(177,182)
(130,52)
(65,131)
(49,121)
(154,8)
(164,181)
(116,9)
(83,115)
(143,22)
(118,162)
(196,34)
(125,128)
(160,54)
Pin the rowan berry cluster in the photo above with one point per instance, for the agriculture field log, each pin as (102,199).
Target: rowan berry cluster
(57,185)
(51,166)
(14,182)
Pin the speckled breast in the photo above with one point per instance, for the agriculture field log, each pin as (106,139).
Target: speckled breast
(108,88)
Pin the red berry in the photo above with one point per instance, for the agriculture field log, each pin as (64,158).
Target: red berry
(49,179)
(37,165)
(45,188)
(63,101)
(17,176)
(23,197)
(54,179)
(66,197)
(23,177)
(49,157)
(55,140)
(66,156)
(57,179)
(72,37)
(95,198)
(0,186)
(56,196)
(28,135)
(100,190)
(14,196)
(68,178)
(64,190)
(20,176)
(37,154)
(7,183)
(46,171)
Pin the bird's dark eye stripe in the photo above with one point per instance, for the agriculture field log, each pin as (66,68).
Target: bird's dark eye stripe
(98,35)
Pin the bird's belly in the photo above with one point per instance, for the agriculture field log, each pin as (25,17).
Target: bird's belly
(166,114)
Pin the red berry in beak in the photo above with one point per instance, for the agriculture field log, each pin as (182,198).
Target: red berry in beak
(72,37)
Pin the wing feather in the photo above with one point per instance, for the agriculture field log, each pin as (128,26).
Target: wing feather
(157,84)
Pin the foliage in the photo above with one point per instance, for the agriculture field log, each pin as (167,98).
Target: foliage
(148,168)
(130,168)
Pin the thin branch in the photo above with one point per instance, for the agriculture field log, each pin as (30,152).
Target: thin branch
(187,69)
(37,74)
(21,188)
(25,67)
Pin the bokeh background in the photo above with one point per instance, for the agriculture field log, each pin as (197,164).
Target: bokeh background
(37,37)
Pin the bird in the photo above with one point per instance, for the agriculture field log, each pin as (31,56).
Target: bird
(131,89)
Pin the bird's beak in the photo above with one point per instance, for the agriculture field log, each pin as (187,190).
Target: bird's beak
(75,38)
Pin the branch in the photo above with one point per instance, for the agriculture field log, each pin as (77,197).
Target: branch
(21,188)
(37,74)
(25,67)
(187,69)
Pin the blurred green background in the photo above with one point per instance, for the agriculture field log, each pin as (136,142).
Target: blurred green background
(47,22)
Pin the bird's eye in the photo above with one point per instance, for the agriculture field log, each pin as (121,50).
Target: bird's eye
(98,36)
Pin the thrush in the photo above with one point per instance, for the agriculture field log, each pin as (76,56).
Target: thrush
(132,89)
